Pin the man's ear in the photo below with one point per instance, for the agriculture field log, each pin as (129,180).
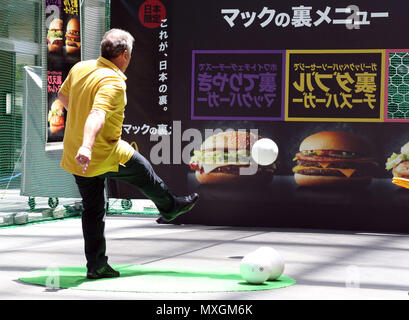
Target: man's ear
(126,54)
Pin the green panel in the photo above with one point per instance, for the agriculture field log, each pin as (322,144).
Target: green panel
(20,26)
(95,19)
(9,136)
(398,85)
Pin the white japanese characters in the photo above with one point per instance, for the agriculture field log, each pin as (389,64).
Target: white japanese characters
(163,66)
(301,16)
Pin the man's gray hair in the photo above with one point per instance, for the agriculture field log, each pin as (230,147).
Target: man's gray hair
(115,42)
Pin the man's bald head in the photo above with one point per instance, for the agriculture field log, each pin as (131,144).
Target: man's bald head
(115,42)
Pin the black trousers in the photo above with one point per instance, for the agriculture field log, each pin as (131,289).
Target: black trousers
(138,172)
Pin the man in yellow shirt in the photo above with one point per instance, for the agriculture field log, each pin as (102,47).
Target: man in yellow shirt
(94,95)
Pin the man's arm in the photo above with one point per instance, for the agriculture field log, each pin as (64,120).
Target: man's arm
(64,100)
(93,125)
(105,102)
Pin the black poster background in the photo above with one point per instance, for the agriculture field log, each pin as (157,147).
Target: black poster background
(143,111)
(199,25)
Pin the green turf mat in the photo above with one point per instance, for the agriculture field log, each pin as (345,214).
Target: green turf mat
(153,279)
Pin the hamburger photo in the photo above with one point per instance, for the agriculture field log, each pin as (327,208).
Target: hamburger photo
(399,163)
(56,117)
(332,158)
(222,155)
(72,36)
(54,36)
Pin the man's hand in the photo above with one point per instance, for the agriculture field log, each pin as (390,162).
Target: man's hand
(83,157)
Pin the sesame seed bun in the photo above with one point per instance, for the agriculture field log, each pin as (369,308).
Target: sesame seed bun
(73,24)
(335,140)
(55,24)
(230,140)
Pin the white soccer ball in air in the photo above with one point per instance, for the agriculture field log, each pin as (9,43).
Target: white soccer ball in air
(264,151)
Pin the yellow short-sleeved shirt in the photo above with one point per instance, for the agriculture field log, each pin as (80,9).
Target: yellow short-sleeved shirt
(95,84)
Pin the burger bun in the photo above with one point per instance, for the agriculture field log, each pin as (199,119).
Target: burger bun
(71,49)
(55,47)
(229,140)
(228,178)
(55,24)
(317,181)
(335,140)
(73,24)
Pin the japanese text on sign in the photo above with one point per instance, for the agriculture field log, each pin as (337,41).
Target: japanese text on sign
(161,129)
(54,81)
(301,16)
(348,84)
(53,3)
(237,88)
(238,84)
(163,66)
(151,13)
(71,7)
(335,85)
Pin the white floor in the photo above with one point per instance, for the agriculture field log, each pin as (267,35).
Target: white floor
(325,264)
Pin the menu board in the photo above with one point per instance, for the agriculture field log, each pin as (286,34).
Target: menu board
(63,51)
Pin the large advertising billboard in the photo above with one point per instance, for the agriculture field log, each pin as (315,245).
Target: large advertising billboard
(328,83)
(63,51)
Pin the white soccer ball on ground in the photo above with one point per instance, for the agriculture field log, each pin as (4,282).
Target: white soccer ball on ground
(255,268)
(276,261)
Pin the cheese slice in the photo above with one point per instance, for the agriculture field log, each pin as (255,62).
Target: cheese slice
(324,164)
(346,172)
(401,182)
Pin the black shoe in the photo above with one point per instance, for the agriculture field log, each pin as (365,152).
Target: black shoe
(104,272)
(160,220)
(183,205)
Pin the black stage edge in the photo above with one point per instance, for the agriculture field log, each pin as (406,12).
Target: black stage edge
(379,207)
(177,309)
